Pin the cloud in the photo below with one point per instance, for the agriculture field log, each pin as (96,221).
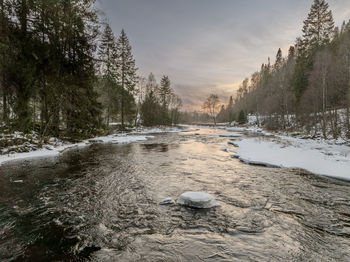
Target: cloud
(208,46)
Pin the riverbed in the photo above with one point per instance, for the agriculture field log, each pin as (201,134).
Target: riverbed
(101,203)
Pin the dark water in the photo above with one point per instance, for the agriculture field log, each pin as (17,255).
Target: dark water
(101,204)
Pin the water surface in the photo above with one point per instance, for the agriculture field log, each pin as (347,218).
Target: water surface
(101,204)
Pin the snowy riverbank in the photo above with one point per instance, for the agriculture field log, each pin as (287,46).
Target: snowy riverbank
(50,150)
(315,156)
(253,145)
(322,157)
(56,147)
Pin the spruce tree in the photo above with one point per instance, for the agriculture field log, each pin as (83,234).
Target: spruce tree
(4,51)
(242,118)
(107,52)
(126,75)
(230,110)
(318,27)
(317,32)
(110,92)
(150,110)
(279,60)
(164,95)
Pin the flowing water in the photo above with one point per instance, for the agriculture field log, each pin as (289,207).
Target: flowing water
(101,203)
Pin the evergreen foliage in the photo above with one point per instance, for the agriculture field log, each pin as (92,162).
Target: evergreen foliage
(60,76)
(161,105)
(242,118)
(126,76)
(309,87)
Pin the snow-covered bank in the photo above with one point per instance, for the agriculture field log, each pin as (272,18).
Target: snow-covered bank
(315,156)
(50,151)
(322,157)
(160,130)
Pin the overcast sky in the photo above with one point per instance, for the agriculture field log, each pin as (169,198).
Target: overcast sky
(209,46)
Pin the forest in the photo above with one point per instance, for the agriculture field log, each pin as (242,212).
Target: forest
(306,90)
(64,73)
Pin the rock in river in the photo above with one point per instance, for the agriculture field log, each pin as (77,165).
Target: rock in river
(167,201)
(197,200)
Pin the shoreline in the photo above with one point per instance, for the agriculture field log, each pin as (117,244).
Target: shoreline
(48,150)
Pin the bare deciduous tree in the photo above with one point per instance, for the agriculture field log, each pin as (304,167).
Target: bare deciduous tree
(211,104)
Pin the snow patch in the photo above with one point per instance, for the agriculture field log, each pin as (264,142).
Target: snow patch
(231,135)
(318,158)
(160,130)
(55,151)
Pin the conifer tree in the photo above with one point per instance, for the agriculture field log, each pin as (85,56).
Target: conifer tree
(164,96)
(4,51)
(150,109)
(318,27)
(317,32)
(107,52)
(108,72)
(230,110)
(126,75)
(279,60)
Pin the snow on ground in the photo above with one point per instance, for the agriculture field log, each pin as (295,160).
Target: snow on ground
(322,157)
(50,151)
(252,129)
(315,156)
(230,135)
(160,130)
(56,148)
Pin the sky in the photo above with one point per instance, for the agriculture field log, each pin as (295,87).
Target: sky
(209,46)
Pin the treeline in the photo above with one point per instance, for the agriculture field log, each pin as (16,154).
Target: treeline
(60,76)
(195,117)
(158,104)
(309,89)
(47,66)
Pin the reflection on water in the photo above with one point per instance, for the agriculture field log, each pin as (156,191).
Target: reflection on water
(162,147)
(101,204)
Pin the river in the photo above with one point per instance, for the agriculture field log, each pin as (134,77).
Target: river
(101,203)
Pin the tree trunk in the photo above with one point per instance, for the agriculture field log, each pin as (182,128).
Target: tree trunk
(324,127)
(347,120)
(122,102)
(4,104)
(107,122)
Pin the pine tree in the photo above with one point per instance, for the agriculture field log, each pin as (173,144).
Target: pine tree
(164,95)
(279,60)
(230,110)
(317,32)
(126,74)
(107,52)
(318,27)
(291,53)
(150,110)
(242,118)
(4,51)
(110,92)
(81,110)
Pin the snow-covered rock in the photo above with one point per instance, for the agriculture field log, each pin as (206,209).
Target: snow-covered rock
(197,200)
(167,201)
